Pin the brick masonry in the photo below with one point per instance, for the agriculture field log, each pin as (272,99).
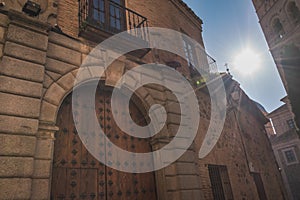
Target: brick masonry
(38,70)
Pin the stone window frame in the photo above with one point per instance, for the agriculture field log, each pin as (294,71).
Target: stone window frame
(291,149)
(277,27)
(291,123)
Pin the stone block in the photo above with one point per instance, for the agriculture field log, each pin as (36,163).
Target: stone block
(171,182)
(54,76)
(16,145)
(64,41)
(47,82)
(1,50)
(42,168)
(174,118)
(156,94)
(181,169)
(188,182)
(55,94)
(15,188)
(58,66)
(44,149)
(27,37)
(191,194)
(3,20)
(21,69)
(19,105)
(2,33)
(173,107)
(188,156)
(173,195)
(48,112)
(22,87)
(18,125)
(25,53)
(64,54)
(67,81)
(40,189)
(182,182)
(16,167)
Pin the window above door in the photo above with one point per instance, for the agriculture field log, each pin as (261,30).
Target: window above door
(110,17)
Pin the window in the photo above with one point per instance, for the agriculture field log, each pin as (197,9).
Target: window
(278,28)
(220,182)
(290,156)
(291,123)
(189,51)
(107,14)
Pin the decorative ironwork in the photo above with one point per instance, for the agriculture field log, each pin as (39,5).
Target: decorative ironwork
(74,162)
(73,184)
(112,19)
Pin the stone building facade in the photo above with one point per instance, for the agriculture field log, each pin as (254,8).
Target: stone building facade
(41,156)
(285,143)
(280,22)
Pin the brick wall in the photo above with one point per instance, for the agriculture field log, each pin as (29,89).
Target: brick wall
(244,148)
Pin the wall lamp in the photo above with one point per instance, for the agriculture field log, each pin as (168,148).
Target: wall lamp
(31,8)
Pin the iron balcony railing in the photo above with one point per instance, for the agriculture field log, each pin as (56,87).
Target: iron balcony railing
(111,17)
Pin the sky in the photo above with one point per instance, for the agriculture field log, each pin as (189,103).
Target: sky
(229,28)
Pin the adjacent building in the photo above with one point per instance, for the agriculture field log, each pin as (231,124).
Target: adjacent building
(280,22)
(43,44)
(286,144)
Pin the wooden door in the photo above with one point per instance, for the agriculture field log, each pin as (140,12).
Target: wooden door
(78,175)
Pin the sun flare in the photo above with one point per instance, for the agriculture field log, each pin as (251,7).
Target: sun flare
(247,62)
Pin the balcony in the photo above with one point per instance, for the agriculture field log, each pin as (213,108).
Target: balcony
(98,20)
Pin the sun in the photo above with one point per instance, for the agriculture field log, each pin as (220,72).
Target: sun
(247,62)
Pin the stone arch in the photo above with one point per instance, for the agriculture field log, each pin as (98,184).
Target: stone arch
(57,92)
(60,89)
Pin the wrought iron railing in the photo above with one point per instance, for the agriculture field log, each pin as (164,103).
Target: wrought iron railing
(111,17)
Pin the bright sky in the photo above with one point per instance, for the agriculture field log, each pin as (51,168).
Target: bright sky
(232,35)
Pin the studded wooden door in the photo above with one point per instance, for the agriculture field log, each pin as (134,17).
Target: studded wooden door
(78,175)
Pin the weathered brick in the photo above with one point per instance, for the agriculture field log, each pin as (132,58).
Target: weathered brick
(15,188)
(16,167)
(64,54)
(22,87)
(25,53)
(18,125)
(27,37)
(21,69)
(15,145)
(19,106)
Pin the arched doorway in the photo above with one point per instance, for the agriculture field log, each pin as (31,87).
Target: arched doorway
(77,174)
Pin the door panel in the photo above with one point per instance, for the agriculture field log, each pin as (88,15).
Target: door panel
(77,174)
